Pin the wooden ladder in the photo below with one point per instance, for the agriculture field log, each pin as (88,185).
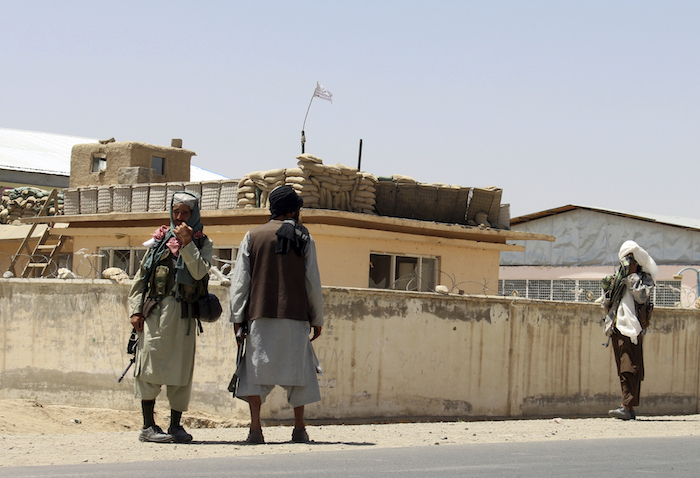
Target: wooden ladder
(47,247)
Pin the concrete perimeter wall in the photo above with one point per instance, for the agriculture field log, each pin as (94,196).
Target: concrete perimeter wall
(384,354)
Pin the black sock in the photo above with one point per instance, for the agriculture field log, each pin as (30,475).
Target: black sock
(147,407)
(175,417)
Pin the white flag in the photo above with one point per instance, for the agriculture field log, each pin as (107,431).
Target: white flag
(323,93)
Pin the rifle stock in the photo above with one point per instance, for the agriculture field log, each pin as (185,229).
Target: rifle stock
(240,341)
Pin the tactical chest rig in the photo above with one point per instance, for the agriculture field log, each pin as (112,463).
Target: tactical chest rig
(160,283)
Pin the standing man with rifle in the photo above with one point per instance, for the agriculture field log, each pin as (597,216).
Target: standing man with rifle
(171,278)
(276,289)
(627,303)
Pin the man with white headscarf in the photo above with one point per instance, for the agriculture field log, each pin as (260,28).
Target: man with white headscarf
(171,278)
(628,306)
(276,290)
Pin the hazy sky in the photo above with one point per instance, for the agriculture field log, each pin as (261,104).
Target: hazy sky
(591,103)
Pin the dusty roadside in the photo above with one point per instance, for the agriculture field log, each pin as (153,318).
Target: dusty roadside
(33,434)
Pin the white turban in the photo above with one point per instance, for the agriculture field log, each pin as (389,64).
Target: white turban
(641,256)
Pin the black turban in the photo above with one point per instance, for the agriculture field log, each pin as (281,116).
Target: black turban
(283,200)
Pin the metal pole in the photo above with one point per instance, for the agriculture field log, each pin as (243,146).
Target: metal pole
(303,127)
(697,284)
(359,157)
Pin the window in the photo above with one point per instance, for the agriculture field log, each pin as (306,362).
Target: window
(158,164)
(224,259)
(99,163)
(64,261)
(390,271)
(126,259)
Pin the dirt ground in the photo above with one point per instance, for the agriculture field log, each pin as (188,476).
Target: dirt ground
(34,434)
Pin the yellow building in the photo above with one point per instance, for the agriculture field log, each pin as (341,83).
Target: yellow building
(354,249)
(369,233)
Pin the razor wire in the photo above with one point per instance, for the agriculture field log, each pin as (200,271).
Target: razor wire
(687,297)
(226,267)
(21,260)
(90,265)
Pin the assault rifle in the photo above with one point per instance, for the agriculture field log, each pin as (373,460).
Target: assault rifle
(131,350)
(240,341)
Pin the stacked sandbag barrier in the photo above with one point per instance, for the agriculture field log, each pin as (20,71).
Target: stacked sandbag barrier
(254,188)
(321,186)
(25,202)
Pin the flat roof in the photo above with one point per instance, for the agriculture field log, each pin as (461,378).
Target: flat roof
(9,232)
(308,216)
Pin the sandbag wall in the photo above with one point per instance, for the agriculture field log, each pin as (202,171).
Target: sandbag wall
(26,202)
(337,186)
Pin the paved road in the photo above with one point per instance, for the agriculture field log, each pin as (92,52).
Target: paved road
(669,457)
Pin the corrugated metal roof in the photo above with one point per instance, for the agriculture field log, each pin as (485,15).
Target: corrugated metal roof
(37,152)
(687,223)
(198,174)
(49,153)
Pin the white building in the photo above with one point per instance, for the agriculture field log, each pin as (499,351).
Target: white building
(585,250)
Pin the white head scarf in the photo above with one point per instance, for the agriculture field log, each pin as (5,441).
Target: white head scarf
(187,199)
(641,256)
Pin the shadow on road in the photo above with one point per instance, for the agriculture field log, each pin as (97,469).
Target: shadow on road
(659,419)
(243,443)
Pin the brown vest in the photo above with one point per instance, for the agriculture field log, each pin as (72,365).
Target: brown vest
(278,281)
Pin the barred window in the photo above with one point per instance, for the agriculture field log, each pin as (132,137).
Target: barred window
(565,290)
(224,258)
(590,289)
(539,289)
(391,271)
(127,259)
(512,287)
(667,293)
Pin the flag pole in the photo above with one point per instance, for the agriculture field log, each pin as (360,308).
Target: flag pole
(303,136)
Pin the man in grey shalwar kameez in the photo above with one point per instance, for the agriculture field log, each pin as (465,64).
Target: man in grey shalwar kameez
(276,289)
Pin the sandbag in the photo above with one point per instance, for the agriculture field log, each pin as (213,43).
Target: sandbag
(309,158)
